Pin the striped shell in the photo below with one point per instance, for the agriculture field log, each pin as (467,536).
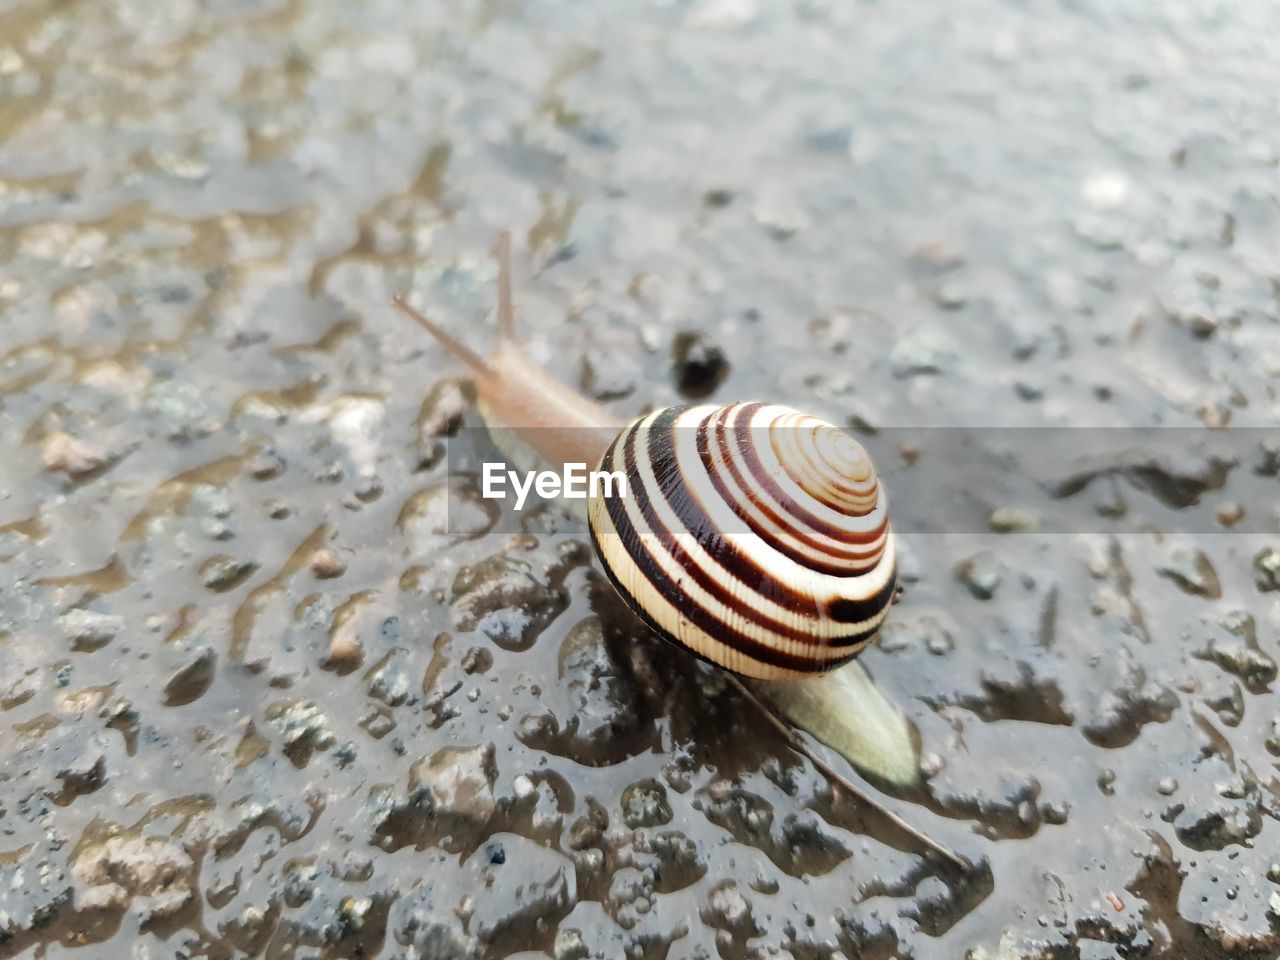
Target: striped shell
(752,534)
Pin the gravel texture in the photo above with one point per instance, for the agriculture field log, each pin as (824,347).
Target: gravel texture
(271,686)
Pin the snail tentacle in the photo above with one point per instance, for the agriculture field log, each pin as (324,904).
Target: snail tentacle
(460,350)
(506,309)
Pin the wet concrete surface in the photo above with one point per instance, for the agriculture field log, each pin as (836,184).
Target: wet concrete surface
(257,699)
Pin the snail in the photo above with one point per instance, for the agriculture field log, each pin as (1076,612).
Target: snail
(754,535)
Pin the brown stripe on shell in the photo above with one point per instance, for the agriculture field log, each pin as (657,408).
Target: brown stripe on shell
(798,441)
(676,490)
(760,516)
(748,447)
(859,609)
(652,624)
(796,536)
(739,573)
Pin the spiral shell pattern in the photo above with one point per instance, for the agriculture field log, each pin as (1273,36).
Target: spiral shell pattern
(752,534)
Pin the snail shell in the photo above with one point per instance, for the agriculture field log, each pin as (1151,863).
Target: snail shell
(754,535)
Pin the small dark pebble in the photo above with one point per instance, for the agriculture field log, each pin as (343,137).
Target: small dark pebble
(1054,813)
(444,409)
(1229,514)
(192,681)
(345,755)
(1268,462)
(981,573)
(325,564)
(267,465)
(644,804)
(477,660)
(222,573)
(1266,565)
(698,364)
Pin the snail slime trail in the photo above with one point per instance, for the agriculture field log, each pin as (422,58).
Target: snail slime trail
(573,482)
(752,535)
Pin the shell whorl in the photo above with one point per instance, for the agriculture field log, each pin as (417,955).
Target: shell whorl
(752,534)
